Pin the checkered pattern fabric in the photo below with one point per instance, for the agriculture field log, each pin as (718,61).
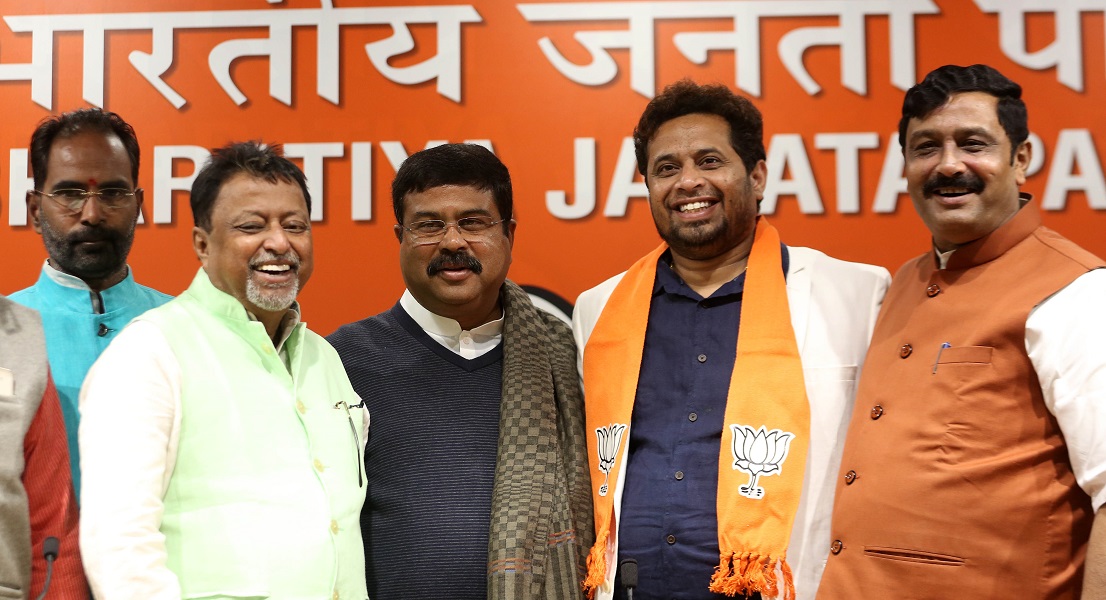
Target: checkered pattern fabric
(542,524)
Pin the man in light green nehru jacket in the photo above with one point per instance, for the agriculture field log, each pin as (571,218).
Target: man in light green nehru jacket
(221,441)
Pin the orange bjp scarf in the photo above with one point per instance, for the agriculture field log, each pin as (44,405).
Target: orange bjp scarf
(767,420)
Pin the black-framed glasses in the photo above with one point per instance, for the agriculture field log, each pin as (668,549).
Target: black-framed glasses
(74,199)
(433,231)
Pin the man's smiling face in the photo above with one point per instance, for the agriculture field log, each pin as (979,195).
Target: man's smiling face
(458,276)
(259,247)
(704,202)
(960,172)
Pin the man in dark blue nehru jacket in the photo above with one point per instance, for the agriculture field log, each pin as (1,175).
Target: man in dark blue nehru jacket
(476,459)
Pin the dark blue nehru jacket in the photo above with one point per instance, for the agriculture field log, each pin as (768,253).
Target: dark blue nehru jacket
(668,519)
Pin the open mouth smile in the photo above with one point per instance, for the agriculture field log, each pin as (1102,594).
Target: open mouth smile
(952,192)
(275,273)
(694,208)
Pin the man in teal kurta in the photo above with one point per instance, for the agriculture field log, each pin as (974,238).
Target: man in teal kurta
(222,442)
(85,205)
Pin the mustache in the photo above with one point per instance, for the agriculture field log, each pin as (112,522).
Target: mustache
(968,181)
(290,257)
(708,191)
(453,260)
(93,234)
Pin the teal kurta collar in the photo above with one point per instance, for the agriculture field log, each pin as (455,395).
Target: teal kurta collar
(76,299)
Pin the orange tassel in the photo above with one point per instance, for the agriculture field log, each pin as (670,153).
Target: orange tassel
(745,574)
(722,573)
(788,581)
(597,564)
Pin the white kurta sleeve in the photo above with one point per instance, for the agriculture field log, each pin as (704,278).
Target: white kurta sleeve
(1063,337)
(130,422)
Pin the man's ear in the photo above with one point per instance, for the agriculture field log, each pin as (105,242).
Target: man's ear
(200,243)
(34,210)
(758,178)
(1022,157)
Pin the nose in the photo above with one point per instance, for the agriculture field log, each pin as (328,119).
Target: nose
(277,241)
(92,213)
(690,177)
(452,238)
(950,163)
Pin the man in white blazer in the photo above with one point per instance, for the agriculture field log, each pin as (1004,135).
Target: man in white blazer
(669,389)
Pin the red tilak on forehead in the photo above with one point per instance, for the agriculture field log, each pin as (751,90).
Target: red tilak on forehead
(91,182)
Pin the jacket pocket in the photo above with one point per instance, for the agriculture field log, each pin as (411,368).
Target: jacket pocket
(965,355)
(914,556)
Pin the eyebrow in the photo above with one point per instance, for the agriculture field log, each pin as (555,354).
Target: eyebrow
(424,215)
(81,185)
(959,132)
(255,213)
(697,153)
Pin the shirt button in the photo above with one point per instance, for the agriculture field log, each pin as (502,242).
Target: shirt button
(103,330)
(693,417)
(702,358)
(933,290)
(877,412)
(671,539)
(836,546)
(679,475)
(466,341)
(850,477)
(300,407)
(333,526)
(319,465)
(906,350)
(335,596)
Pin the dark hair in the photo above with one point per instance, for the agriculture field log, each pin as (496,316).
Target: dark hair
(937,87)
(254,158)
(685,97)
(454,164)
(67,125)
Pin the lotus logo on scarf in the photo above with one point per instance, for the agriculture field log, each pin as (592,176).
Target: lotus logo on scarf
(609,438)
(758,454)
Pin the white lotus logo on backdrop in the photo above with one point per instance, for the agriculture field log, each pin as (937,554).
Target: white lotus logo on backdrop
(759,454)
(609,438)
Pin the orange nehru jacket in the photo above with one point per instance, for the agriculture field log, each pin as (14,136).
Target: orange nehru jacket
(955,482)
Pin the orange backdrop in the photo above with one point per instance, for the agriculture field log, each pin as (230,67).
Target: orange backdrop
(335,79)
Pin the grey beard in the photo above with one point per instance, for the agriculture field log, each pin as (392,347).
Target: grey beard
(273,299)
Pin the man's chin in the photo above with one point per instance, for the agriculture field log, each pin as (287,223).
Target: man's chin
(272,298)
(273,304)
(694,239)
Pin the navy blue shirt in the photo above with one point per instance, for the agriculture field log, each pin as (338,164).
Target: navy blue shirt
(668,521)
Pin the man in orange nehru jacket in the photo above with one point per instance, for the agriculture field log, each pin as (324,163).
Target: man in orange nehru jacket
(976,455)
(719,373)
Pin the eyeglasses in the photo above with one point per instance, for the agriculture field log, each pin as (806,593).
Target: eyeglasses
(434,230)
(74,199)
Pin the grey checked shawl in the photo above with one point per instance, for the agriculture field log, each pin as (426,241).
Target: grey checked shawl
(542,522)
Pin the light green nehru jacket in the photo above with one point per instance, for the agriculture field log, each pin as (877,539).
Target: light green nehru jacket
(267,489)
